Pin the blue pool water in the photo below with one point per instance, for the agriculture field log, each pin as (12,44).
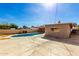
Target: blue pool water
(27,34)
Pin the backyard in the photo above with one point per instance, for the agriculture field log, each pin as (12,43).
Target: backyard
(38,45)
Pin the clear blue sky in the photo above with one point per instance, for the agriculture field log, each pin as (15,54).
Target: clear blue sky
(35,14)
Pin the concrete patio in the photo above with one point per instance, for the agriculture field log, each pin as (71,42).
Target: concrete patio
(39,46)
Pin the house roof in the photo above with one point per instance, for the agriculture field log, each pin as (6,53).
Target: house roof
(73,24)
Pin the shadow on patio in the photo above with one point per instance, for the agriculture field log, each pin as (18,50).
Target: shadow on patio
(74,40)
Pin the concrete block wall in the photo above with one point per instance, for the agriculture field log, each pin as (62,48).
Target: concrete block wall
(16,31)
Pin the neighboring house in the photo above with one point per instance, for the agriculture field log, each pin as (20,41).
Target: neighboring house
(62,30)
(12,28)
(41,29)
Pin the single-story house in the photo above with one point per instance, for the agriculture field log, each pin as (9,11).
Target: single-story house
(61,30)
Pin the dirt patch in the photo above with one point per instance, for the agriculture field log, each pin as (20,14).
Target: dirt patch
(4,38)
(5,35)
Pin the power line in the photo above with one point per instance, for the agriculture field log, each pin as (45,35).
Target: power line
(56,11)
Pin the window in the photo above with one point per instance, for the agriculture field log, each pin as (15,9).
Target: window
(55,29)
(52,29)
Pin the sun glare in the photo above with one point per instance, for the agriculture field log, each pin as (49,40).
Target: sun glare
(48,5)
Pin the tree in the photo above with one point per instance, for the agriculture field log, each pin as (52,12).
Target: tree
(59,22)
(8,26)
(4,26)
(13,26)
(25,27)
(32,26)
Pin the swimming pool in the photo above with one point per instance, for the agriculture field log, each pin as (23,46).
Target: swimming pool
(27,34)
